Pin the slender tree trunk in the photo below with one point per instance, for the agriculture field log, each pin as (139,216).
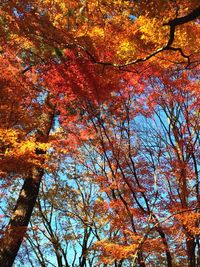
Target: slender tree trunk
(167,251)
(190,243)
(83,258)
(59,259)
(16,229)
(141,262)
(165,243)
(54,240)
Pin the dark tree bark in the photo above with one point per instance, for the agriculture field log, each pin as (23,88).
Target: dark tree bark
(190,243)
(16,229)
(19,221)
(167,251)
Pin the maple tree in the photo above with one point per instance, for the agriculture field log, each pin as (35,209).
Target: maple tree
(76,231)
(150,171)
(60,61)
(23,141)
(130,151)
(64,219)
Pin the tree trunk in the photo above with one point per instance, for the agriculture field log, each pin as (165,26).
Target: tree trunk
(141,261)
(19,221)
(16,229)
(190,243)
(167,251)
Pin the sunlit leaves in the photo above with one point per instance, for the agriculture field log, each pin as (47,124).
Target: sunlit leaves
(69,77)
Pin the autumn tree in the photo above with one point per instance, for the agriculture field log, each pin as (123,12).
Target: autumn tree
(58,52)
(24,136)
(146,162)
(64,220)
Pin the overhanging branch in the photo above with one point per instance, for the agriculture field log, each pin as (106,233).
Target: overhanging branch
(172,24)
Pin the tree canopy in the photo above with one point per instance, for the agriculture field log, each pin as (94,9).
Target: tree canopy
(99,133)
